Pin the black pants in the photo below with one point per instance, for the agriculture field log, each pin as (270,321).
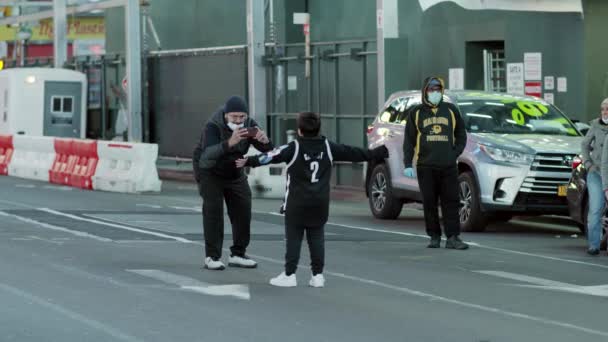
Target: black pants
(440,184)
(316,246)
(237,195)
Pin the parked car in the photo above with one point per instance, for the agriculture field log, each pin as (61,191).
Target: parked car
(517,160)
(578,197)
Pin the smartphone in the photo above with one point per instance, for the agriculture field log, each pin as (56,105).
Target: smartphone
(251,132)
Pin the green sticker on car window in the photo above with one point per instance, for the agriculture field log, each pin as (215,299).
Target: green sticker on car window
(534,109)
(518,116)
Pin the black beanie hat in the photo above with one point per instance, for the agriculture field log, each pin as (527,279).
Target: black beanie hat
(236,104)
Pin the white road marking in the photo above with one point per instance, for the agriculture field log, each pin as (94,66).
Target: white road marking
(58,187)
(371,229)
(433,297)
(147,221)
(33,237)
(195,209)
(543,256)
(25,186)
(240,291)
(53,227)
(475,244)
(16,204)
(116,334)
(153,206)
(78,218)
(524,278)
(540,283)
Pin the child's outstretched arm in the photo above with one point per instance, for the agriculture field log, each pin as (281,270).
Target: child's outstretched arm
(282,154)
(355,154)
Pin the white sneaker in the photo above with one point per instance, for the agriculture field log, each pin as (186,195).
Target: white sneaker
(215,265)
(317,280)
(284,280)
(241,261)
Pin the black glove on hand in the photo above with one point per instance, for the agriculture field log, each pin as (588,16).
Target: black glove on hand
(380,153)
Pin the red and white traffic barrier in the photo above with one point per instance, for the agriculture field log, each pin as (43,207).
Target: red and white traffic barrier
(126,167)
(6,153)
(85,164)
(267,181)
(33,157)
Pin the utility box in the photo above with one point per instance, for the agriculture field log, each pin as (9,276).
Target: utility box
(43,101)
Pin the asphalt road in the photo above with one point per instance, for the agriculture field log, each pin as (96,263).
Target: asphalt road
(94,266)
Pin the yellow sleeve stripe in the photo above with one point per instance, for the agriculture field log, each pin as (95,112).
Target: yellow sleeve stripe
(417,149)
(453,127)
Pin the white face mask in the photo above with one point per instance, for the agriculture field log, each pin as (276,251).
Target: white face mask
(605,120)
(434,97)
(234,126)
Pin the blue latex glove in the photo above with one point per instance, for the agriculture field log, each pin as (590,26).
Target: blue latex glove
(408,172)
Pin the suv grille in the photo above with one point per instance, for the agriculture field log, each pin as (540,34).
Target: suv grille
(542,185)
(553,163)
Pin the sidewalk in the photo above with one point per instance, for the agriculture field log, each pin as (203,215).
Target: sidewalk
(175,170)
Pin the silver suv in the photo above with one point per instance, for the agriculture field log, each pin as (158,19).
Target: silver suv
(517,159)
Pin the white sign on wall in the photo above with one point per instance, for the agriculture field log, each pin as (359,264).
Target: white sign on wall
(533,66)
(562,84)
(549,82)
(550,98)
(292,83)
(515,78)
(456,79)
(575,6)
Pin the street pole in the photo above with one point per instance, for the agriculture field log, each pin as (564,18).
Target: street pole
(60,33)
(133,54)
(255,68)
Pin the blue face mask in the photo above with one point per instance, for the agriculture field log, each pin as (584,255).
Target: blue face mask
(434,97)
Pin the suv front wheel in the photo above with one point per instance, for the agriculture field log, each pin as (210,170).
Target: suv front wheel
(472,219)
(382,201)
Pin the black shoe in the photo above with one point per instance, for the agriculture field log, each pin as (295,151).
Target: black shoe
(593,251)
(435,242)
(454,242)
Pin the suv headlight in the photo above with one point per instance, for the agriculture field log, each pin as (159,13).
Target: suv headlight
(507,156)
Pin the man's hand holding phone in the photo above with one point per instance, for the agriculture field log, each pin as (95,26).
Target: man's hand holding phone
(257,134)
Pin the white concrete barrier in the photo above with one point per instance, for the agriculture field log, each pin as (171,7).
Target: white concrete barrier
(267,181)
(126,167)
(33,157)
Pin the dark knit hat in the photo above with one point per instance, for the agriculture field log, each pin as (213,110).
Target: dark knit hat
(236,104)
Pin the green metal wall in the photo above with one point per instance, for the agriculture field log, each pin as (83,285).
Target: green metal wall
(186,24)
(596,55)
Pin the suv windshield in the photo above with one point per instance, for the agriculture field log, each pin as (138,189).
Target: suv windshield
(514,116)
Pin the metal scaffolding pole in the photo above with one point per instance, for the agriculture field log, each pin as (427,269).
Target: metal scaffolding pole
(255,67)
(60,35)
(133,31)
(380,49)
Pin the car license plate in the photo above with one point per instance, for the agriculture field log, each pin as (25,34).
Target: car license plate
(562,190)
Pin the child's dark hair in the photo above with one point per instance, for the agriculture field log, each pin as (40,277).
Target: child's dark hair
(309,124)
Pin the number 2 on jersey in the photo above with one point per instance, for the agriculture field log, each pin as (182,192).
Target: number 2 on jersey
(314,167)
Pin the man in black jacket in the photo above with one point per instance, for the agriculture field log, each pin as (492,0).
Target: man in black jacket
(434,137)
(306,206)
(224,139)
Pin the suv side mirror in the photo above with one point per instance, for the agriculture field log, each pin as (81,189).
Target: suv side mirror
(582,127)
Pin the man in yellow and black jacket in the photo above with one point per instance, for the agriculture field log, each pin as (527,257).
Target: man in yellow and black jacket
(434,138)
